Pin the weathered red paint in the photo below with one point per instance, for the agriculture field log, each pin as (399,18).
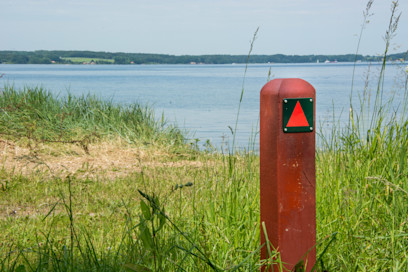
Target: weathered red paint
(287,177)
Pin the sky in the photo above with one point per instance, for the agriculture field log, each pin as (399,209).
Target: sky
(196,27)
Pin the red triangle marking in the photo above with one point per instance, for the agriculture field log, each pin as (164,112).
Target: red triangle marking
(298,118)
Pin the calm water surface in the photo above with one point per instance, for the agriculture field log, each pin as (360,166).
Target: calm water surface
(204,98)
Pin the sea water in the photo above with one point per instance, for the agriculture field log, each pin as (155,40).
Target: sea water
(204,99)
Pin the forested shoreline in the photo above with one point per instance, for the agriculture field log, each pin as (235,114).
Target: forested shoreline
(92,57)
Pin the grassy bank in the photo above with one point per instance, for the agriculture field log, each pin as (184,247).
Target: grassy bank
(34,114)
(90,185)
(71,173)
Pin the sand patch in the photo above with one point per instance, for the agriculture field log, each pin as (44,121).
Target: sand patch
(108,159)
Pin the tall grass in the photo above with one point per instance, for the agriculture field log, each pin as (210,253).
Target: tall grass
(362,186)
(181,220)
(35,114)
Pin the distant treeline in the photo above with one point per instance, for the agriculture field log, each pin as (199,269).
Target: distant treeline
(90,57)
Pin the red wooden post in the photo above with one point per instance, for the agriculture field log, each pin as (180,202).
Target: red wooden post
(287,164)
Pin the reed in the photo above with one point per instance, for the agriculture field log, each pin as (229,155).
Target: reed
(35,114)
(362,180)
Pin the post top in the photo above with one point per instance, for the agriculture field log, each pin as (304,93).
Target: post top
(289,87)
